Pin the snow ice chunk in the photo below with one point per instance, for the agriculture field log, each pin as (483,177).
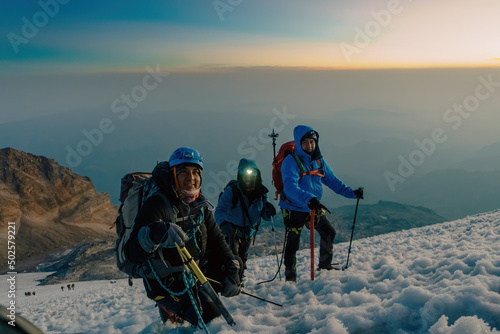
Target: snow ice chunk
(485,268)
(380,288)
(421,263)
(333,326)
(460,267)
(360,298)
(357,322)
(383,261)
(413,296)
(356,283)
(464,325)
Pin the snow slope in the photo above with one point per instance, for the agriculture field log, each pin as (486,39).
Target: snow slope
(443,278)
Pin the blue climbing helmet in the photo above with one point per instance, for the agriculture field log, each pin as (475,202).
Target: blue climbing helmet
(185,155)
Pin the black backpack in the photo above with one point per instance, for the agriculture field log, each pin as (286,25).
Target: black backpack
(234,184)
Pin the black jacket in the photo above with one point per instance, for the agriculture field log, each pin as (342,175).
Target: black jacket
(207,240)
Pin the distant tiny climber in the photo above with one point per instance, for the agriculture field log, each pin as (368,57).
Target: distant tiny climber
(62,288)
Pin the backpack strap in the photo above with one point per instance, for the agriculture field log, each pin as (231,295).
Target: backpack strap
(260,220)
(245,212)
(234,201)
(299,163)
(303,169)
(317,171)
(302,172)
(171,211)
(236,195)
(244,208)
(160,268)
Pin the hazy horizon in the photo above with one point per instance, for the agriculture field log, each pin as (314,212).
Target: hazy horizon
(413,100)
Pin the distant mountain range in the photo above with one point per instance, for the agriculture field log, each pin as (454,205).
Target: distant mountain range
(381,218)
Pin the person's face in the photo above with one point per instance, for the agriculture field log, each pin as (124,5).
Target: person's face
(249,177)
(189,178)
(308,145)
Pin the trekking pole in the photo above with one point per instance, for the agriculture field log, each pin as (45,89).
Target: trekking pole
(281,262)
(256,231)
(205,285)
(245,292)
(276,247)
(352,234)
(313,216)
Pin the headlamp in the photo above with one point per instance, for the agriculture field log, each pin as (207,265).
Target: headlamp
(249,172)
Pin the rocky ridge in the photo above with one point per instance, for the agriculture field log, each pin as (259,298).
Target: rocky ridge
(51,207)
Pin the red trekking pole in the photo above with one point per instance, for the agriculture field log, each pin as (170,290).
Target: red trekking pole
(313,214)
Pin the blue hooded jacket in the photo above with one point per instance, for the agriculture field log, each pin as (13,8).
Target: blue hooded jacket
(299,191)
(225,212)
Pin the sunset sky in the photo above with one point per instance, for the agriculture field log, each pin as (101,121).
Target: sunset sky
(205,35)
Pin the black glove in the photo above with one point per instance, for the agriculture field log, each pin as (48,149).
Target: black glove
(314,204)
(231,284)
(167,234)
(269,209)
(359,193)
(227,229)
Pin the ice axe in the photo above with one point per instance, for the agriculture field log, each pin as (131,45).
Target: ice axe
(205,285)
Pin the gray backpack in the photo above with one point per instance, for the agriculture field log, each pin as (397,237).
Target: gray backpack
(136,188)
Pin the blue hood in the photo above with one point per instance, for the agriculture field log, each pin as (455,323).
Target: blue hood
(299,191)
(298,133)
(248,163)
